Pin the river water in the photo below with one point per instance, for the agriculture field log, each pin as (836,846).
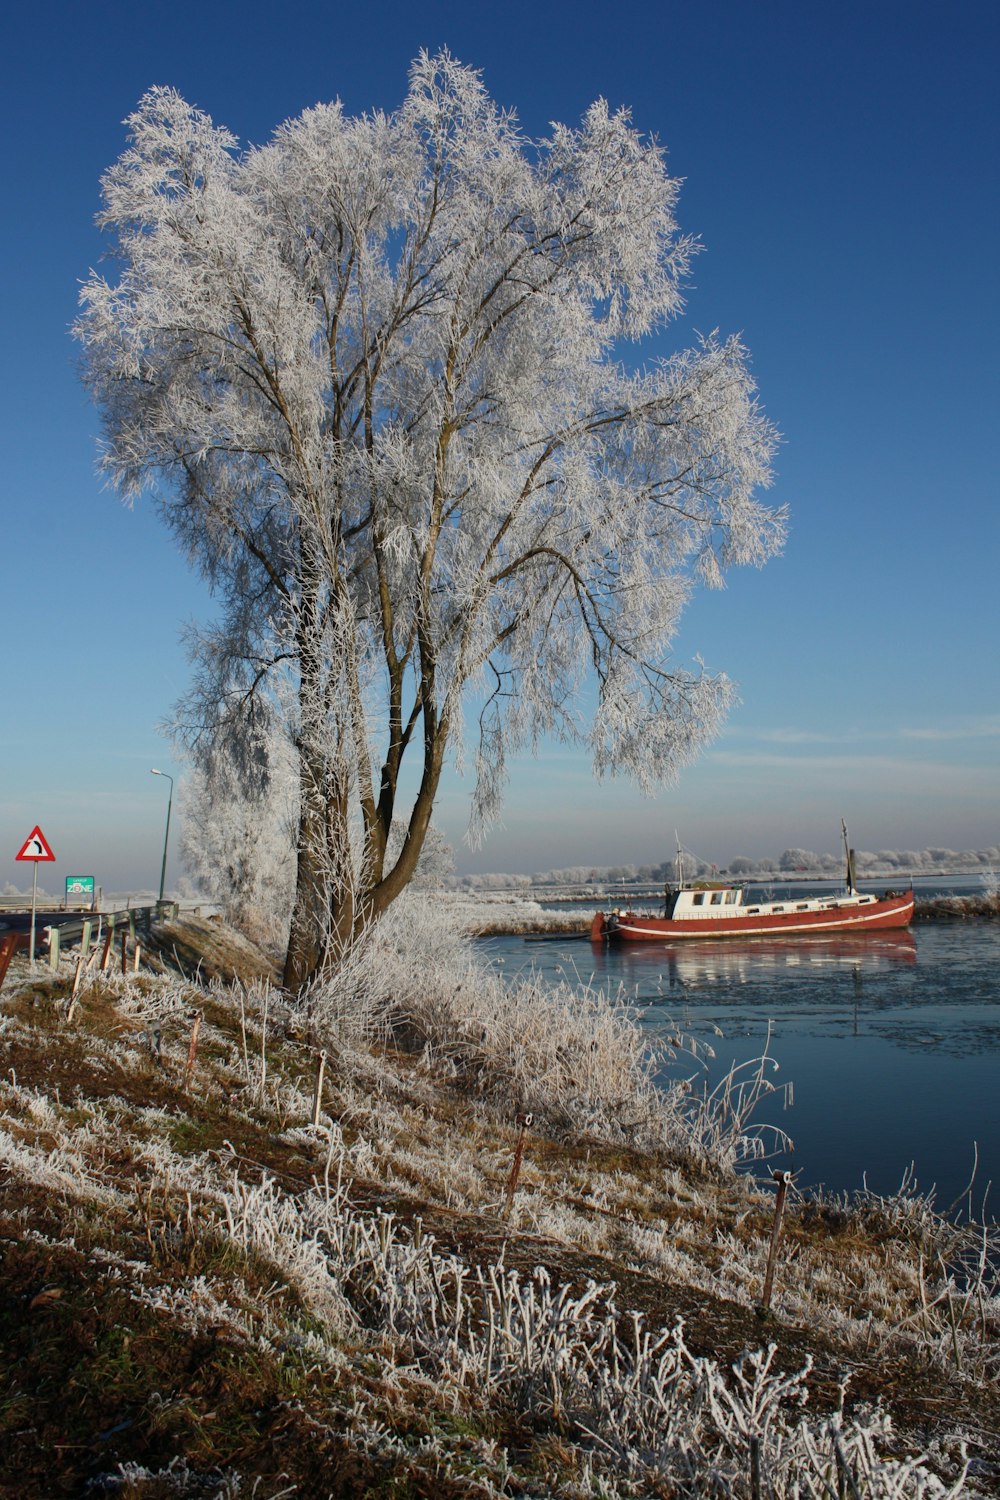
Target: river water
(891,1042)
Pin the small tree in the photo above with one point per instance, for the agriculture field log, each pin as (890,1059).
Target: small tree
(373,368)
(239,822)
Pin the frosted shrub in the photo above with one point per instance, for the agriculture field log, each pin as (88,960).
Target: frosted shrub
(135,1482)
(633,1398)
(572,1055)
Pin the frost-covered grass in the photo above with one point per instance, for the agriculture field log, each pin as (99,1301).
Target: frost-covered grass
(242,1302)
(570,1055)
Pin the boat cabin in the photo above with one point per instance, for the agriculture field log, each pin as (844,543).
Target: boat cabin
(704,901)
(711,902)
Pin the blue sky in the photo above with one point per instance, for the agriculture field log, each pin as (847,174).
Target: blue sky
(840,167)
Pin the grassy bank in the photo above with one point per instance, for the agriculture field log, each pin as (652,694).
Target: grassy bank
(216,1281)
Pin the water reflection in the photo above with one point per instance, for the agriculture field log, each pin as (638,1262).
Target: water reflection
(892,1040)
(688,965)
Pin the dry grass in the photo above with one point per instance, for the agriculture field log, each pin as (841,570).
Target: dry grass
(205,1294)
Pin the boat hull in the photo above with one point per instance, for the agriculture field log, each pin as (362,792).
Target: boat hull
(845,916)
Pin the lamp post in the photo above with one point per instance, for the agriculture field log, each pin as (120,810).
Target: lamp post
(166,836)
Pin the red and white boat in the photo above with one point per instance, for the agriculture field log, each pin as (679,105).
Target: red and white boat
(716,910)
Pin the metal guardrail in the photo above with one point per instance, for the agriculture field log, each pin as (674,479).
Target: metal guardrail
(97,925)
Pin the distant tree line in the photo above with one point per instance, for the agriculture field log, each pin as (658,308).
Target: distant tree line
(789,862)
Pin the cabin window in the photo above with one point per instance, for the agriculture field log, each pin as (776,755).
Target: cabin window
(777,908)
(716,898)
(699,898)
(802,906)
(731,898)
(752,911)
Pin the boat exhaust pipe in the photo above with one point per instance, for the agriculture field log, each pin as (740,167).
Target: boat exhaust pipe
(852,876)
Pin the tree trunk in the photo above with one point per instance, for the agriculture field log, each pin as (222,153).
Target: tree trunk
(307,934)
(381,896)
(333,907)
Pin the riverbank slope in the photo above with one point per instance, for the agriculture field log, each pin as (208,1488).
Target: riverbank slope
(224,1270)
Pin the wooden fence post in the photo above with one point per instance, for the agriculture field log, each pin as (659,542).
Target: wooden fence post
(7,946)
(523,1121)
(318,1092)
(109,938)
(193,1049)
(783,1181)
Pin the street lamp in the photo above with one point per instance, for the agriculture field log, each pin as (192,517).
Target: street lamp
(166,836)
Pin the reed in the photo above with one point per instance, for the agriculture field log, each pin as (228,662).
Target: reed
(572,1054)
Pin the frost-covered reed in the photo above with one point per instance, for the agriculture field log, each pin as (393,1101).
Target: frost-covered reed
(571,1054)
(648,1412)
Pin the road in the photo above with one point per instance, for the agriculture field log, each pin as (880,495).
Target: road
(20,921)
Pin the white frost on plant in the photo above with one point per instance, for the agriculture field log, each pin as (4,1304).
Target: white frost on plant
(62,1170)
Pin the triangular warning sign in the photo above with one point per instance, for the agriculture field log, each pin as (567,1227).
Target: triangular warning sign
(35,846)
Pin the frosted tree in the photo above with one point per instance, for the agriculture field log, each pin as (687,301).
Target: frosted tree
(239,821)
(372,371)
